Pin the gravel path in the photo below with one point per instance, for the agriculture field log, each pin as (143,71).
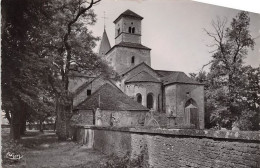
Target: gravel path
(45,151)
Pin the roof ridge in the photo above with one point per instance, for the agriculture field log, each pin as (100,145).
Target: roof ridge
(79,89)
(126,44)
(135,75)
(128,13)
(166,70)
(136,67)
(153,79)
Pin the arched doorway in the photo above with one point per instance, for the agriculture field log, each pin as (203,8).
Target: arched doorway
(191,116)
(139,98)
(150,100)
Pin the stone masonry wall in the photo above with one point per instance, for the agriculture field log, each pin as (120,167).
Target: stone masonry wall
(124,25)
(176,97)
(144,88)
(120,57)
(181,148)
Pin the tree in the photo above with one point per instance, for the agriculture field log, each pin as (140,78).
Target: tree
(43,43)
(23,68)
(227,73)
(74,53)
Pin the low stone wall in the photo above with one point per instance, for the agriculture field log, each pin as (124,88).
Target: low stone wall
(180,147)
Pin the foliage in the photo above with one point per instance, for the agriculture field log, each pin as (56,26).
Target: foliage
(23,69)
(231,88)
(43,44)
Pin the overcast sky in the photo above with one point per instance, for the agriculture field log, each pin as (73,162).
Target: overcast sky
(173,29)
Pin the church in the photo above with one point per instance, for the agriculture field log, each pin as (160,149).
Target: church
(177,99)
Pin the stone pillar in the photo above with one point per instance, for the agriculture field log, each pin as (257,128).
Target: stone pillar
(144,100)
(98,117)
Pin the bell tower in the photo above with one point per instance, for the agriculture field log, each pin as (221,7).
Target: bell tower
(128,27)
(128,50)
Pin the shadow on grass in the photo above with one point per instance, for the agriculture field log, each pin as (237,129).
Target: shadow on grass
(31,140)
(34,139)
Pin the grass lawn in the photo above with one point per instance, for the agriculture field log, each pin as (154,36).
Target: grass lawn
(43,150)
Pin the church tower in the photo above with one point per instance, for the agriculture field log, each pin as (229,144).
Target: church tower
(128,50)
(128,28)
(104,45)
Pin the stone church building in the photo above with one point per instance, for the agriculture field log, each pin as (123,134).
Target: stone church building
(168,93)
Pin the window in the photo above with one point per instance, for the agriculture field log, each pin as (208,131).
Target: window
(133,60)
(88,92)
(118,31)
(139,98)
(150,101)
(133,30)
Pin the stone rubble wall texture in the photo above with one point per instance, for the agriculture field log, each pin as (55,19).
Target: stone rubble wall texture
(83,117)
(165,150)
(122,118)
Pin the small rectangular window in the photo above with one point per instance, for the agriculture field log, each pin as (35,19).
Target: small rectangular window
(88,92)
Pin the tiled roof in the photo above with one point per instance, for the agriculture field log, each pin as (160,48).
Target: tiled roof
(79,89)
(131,68)
(129,45)
(84,85)
(110,98)
(132,45)
(162,73)
(178,77)
(142,77)
(129,13)
(104,45)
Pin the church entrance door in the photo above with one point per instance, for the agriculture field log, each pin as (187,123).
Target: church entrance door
(191,116)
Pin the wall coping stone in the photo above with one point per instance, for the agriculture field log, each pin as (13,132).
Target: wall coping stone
(214,134)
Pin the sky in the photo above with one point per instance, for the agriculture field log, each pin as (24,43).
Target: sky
(173,29)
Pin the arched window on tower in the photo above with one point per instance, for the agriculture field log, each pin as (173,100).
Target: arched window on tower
(133,60)
(129,30)
(133,30)
(118,31)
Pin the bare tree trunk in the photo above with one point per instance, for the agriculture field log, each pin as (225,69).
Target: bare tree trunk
(15,126)
(23,119)
(41,126)
(63,110)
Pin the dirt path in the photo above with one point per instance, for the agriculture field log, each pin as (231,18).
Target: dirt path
(44,151)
